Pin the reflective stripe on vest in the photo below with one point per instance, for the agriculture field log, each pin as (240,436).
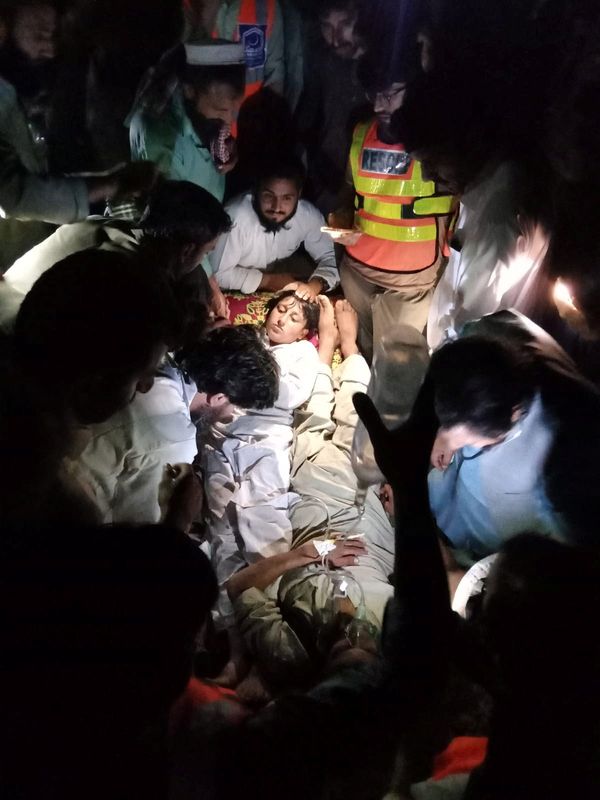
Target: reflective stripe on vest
(390,185)
(421,207)
(255,25)
(398,233)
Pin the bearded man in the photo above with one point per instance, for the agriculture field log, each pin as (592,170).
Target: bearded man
(270,224)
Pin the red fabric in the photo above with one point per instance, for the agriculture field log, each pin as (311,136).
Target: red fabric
(200,693)
(463,754)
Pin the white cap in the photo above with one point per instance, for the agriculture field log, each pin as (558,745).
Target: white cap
(215,54)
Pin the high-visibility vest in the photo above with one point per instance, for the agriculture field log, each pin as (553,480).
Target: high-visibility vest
(254,28)
(398,211)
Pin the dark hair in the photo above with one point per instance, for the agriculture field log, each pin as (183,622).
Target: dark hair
(310,310)
(285,168)
(383,65)
(479,382)
(236,362)
(93,312)
(182,212)
(325,7)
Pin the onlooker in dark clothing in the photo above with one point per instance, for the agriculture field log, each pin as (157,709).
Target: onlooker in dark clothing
(179,226)
(88,336)
(102,60)
(98,643)
(333,100)
(27,190)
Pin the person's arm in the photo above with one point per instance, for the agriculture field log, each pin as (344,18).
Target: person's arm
(267,570)
(319,247)
(275,63)
(35,197)
(152,139)
(298,365)
(225,259)
(343,216)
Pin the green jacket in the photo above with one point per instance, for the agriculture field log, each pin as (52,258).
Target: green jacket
(171,142)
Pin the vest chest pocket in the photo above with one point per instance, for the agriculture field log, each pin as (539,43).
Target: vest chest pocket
(384,162)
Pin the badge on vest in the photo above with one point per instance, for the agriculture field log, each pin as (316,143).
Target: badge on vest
(254,39)
(384,162)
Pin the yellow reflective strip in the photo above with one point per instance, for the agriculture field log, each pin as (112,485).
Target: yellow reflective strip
(358,140)
(378,208)
(397,233)
(425,206)
(433,205)
(392,187)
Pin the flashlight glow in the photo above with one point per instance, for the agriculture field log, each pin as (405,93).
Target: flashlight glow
(563,295)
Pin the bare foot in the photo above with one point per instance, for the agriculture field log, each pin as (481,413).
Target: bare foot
(347,322)
(328,332)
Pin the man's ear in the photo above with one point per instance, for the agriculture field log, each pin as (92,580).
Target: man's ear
(303,335)
(516,414)
(217,399)
(188,91)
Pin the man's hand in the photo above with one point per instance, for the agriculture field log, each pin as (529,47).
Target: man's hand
(347,553)
(441,452)
(344,221)
(307,291)
(219,304)
(125,180)
(223,169)
(180,496)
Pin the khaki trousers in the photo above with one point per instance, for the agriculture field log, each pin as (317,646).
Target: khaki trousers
(379,309)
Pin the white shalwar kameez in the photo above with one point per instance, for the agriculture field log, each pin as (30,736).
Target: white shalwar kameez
(247,466)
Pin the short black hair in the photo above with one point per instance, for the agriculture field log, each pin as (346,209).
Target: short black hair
(479,382)
(235,361)
(325,7)
(93,311)
(182,212)
(311,311)
(376,71)
(284,168)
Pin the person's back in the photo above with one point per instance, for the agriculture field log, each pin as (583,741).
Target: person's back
(508,460)
(103,364)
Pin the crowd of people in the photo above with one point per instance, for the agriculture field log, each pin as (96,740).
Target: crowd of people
(202,594)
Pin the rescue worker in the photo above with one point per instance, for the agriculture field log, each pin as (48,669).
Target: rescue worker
(257,24)
(400,219)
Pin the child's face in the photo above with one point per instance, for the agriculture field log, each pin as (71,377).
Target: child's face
(286,323)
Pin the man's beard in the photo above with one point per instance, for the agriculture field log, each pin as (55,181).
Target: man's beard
(269,225)
(206,129)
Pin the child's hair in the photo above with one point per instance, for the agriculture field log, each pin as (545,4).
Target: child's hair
(310,310)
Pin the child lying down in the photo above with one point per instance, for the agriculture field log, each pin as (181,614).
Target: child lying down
(247,461)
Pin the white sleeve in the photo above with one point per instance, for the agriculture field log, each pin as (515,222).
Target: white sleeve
(298,366)
(225,260)
(319,246)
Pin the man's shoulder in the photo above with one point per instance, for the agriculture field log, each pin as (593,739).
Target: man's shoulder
(242,212)
(308,212)
(240,205)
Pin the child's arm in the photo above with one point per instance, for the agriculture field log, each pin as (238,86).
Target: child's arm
(298,365)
